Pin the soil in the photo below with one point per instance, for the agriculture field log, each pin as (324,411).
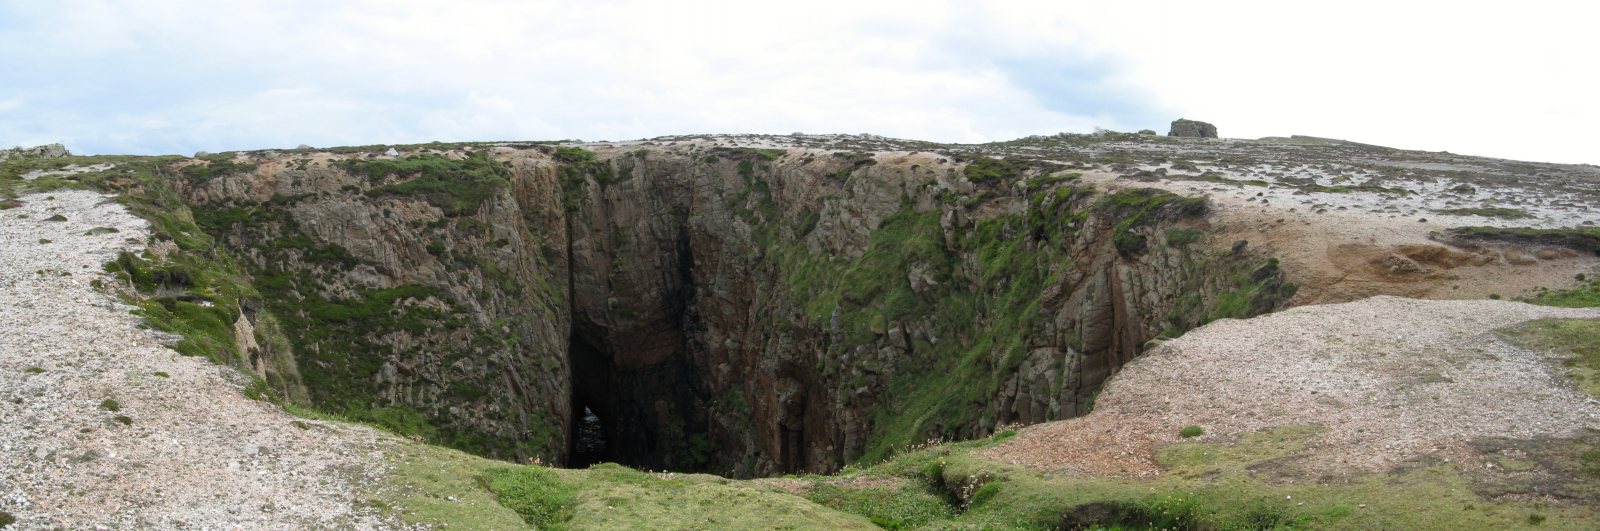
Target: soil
(1388,380)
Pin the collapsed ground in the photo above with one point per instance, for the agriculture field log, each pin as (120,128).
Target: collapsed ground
(437,270)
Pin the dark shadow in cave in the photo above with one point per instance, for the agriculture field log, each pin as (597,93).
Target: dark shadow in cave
(588,442)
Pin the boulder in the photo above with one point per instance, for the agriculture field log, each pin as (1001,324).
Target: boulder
(303,147)
(392,152)
(1192,128)
(47,151)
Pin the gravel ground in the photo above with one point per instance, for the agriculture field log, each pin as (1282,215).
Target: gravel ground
(193,451)
(1390,379)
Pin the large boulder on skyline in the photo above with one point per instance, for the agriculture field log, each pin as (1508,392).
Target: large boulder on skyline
(48,151)
(1192,128)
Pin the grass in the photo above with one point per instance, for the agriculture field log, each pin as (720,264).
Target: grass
(988,170)
(1488,212)
(458,187)
(1585,296)
(1182,237)
(540,496)
(1230,484)
(908,506)
(1139,207)
(430,486)
(1191,431)
(1577,338)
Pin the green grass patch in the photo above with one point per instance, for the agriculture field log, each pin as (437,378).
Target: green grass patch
(1138,207)
(432,486)
(1585,296)
(1182,237)
(1233,484)
(1578,338)
(1191,431)
(540,496)
(984,170)
(457,187)
(1488,212)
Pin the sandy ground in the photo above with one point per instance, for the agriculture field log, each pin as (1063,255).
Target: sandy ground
(1339,255)
(193,452)
(1390,379)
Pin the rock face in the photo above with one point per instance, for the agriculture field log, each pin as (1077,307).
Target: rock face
(734,310)
(48,151)
(1192,128)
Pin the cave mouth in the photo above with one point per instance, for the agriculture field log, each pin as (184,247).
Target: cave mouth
(637,414)
(637,395)
(588,440)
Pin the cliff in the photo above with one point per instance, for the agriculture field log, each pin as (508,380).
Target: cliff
(745,310)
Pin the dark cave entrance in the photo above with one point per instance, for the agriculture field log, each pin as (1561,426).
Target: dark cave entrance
(636,392)
(589,440)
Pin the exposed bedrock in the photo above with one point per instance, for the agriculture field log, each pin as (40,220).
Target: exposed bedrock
(744,312)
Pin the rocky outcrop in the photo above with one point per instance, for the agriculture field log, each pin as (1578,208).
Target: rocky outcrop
(1192,128)
(47,151)
(742,311)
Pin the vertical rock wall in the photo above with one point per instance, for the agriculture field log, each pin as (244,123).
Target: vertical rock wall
(744,312)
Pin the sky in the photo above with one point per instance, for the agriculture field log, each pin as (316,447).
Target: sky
(1505,79)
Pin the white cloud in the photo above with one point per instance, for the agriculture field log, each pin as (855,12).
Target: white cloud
(186,75)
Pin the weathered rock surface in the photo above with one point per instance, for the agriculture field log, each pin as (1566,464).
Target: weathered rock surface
(1192,128)
(47,151)
(741,311)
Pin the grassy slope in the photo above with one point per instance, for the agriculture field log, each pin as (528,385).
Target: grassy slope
(429,485)
(1220,485)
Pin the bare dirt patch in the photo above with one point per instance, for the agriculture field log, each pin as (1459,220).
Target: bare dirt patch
(102,425)
(1388,381)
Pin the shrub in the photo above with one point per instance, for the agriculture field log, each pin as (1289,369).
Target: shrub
(987,170)
(1182,237)
(1191,431)
(455,186)
(110,405)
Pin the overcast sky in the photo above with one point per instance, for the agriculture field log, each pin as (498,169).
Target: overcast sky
(1507,79)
